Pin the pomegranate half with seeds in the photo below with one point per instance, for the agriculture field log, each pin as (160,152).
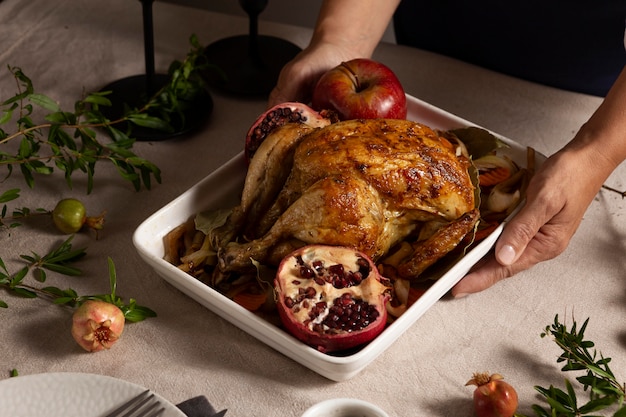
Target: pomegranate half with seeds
(331,297)
(280,115)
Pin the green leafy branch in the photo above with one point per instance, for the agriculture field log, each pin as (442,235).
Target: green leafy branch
(71,143)
(68,153)
(60,260)
(186,83)
(579,355)
(57,260)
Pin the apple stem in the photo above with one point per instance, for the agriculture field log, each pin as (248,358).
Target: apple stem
(355,78)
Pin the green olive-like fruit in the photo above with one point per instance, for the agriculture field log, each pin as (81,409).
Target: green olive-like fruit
(69,215)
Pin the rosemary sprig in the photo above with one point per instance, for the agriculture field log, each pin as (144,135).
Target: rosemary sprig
(605,392)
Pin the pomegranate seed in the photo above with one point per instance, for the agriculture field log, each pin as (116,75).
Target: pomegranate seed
(336,270)
(306,272)
(318,266)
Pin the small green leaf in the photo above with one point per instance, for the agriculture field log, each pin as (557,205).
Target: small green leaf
(112,277)
(6,116)
(28,176)
(62,269)
(54,291)
(138,313)
(597,405)
(9,195)
(3,267)
(18,277)
(557,406)
(15,99)
(64,254)
(572,395)
(156,123)
(44,101)
(99,99)
(61,117)
(31,259)
(40,275)
(40,168)
(64,300)
(23,292)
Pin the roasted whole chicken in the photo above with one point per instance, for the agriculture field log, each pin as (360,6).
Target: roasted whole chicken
(365,184)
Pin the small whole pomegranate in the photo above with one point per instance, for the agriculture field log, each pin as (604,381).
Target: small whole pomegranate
(331,297)
(69,216)
(493,397)
(97,325)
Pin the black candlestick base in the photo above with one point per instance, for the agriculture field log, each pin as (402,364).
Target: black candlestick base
(246,72)
(132,92)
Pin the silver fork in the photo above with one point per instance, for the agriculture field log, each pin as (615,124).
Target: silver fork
(143,405)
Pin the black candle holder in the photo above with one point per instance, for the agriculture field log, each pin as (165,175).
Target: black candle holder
(136,90)
(249,64)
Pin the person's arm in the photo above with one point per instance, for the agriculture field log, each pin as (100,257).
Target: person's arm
(558,195)
(345,29)
(356,26)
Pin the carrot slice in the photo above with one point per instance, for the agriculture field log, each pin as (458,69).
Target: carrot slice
(493,176)
(250,301)
(415,294)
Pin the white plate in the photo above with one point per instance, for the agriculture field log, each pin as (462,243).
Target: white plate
(222,189)
(344,407)
(69,395)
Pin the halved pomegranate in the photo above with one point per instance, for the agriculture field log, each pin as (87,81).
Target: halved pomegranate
(281,114)
(331,297)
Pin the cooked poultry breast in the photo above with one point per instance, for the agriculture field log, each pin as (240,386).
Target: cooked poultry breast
(367,184)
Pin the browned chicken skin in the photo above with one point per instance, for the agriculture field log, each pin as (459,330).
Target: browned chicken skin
(366,184)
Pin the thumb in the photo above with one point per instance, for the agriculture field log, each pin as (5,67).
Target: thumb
(517,234)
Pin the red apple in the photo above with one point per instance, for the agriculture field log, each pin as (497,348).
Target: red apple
(360,89)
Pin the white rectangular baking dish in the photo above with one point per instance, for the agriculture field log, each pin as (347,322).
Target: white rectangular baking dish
(222,188)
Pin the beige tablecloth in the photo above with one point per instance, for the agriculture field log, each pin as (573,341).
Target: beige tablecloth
(68,47)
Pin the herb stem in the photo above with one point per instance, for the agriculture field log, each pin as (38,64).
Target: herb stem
(78,126)
(622,193)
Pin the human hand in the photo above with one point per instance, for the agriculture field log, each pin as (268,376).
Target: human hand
(299,76)
(556,200)
(344,30)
